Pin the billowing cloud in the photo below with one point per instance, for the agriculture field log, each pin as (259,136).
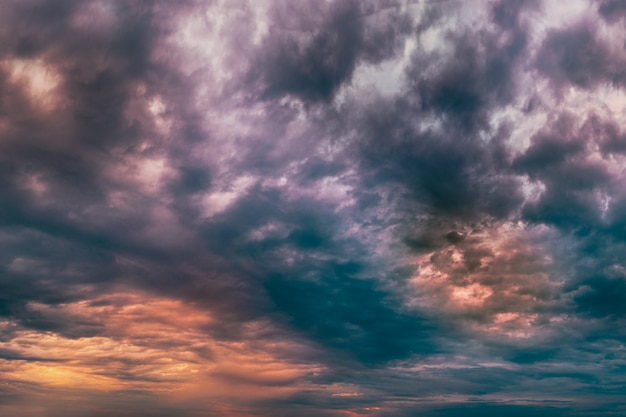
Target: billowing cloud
(339,208)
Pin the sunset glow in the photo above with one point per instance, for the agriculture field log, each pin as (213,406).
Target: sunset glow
(337,208)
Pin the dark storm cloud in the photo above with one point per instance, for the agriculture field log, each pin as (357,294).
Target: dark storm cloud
(311,54)
(611,10)
(327,294)
(570,202)
(42,262)
(603,296)
(374,252)
(546,152)
(450,170)
(477,75)
(69,147)
(452,173)
(69,234)
(507,14)
(458,91)
(102,70)
(557,158)
(575,55)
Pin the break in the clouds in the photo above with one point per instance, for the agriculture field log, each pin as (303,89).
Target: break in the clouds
(312,208)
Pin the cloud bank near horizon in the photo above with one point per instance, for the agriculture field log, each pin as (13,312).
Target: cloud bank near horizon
(313,208)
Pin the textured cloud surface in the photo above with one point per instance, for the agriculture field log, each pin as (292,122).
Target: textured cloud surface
(312,208)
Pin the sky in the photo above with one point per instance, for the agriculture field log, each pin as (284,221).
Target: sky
(329,208)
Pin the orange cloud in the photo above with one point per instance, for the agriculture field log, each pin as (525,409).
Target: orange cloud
(152,344)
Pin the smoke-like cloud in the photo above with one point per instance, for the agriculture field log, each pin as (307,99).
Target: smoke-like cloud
(334,208)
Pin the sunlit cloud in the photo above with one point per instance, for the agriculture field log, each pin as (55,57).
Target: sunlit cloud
(338,208)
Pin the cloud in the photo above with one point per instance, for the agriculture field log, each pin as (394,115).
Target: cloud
(310,55)
(314,208)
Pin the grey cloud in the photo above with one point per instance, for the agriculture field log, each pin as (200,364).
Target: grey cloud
(602,296)
(507,14)
(365,220)
(611,10)
(557,158)
(448,172)
(312,56)
(576,56)
(458,91)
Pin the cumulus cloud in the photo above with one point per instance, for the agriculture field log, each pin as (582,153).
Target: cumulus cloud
(312,208)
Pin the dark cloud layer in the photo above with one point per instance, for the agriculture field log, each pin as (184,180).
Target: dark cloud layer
(333,208)
(313,49)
